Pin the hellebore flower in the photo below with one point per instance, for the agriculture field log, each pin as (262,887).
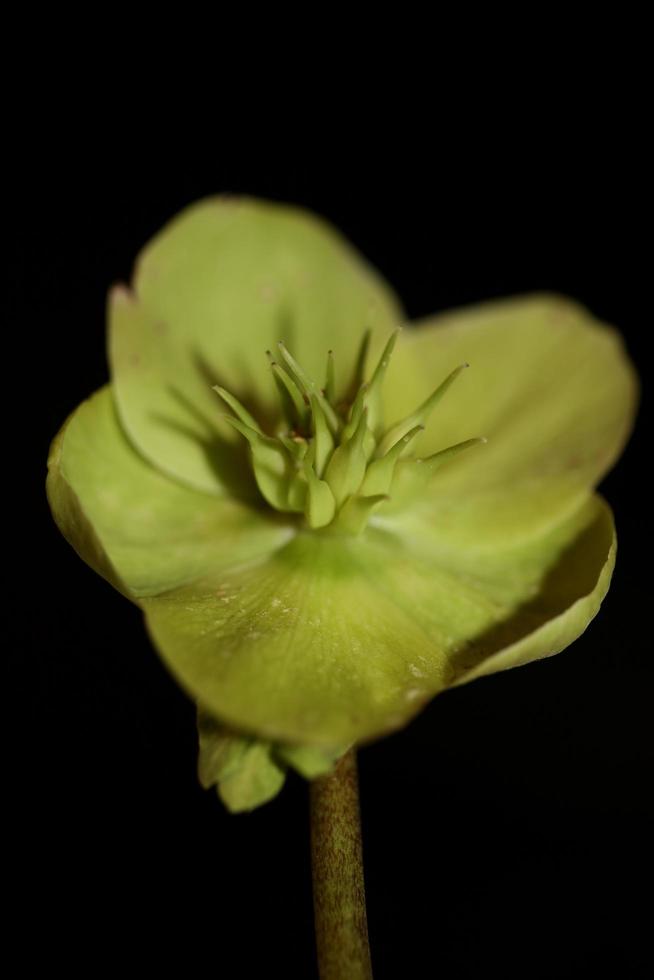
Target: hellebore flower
(321,538)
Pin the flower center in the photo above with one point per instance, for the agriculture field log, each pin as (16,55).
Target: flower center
(332,461)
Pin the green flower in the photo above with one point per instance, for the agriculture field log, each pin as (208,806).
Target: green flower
(315,555)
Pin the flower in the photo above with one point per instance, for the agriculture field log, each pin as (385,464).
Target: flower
(315,563)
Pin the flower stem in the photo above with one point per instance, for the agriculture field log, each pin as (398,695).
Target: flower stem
(338,890)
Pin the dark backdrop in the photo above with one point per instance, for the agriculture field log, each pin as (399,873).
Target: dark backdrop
(507,828)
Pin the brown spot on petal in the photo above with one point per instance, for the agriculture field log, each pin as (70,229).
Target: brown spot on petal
(121,294)
(268,292)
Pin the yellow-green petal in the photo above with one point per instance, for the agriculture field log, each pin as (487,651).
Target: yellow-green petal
(581,584)
(549,386)
(332,639)
(243,770)
(142,531)
(246,771)
(309,760)
(223,282)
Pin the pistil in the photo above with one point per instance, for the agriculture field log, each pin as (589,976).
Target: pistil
(330,462)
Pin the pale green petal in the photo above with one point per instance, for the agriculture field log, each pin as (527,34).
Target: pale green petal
(243,770)
(248,772)
(224,281)
(332,640)
(142,531)
(309,760)
(550,387)
(582,587)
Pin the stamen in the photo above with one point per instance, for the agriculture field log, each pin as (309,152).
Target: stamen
(356,512)
(355,413)
(379,475)
(436,460)
(310,387)
(414,474)
(239,410)
(375,386)
(347,467)
(330,381)
(323,442)
(296,447)
(293,404)
(421,414)
(319,506)
(359,374)
(270,463)
(331,466)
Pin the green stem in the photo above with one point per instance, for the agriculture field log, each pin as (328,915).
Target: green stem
(338,891)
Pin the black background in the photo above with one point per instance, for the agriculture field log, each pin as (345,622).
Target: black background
(507,829)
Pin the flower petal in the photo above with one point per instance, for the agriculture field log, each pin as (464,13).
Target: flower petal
(247,771)
(142,531)
(331,640)
(242,769)
(224,281)
(551,388)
